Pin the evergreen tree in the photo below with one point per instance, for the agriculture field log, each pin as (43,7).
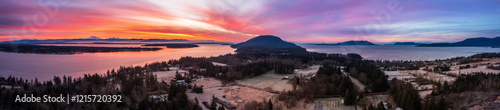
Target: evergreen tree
(349,97)
(371,107)
(270,104)
(213,105)
(441,104)
(380,106)
(221,108)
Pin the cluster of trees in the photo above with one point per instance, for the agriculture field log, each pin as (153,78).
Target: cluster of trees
(254,68)
(392,65)
(282,68)
(328,82)
(434,103)
(405,95)
(380,106)
(197,89)
(486,55)
(177,99)
(470,82)
(156,66)
(305,58)
(464,67)
(329,70)
(368,74)
(213,104)
(134,85)
(493,67)
(354,56)
(262,67)
(255,105)
(201,66)
(469,60)
(441,68)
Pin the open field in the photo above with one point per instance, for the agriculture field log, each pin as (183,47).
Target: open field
(310,70)
(331,104)
(235,95)
(167,75)
(373,100)
(208,82)
(424,93)
(219,64)
(275,82)
(481,67)
(270,80)
(477,69)
(397,75)
(406,74)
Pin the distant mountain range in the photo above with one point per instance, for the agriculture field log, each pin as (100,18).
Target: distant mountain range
(267,44)
(94,37)
(470,42)
(111,40)
(352,42)
(407,43)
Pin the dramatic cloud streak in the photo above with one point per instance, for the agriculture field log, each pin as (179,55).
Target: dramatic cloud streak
(238,20)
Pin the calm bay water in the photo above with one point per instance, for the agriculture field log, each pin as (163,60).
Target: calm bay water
(46,66)
(401,52)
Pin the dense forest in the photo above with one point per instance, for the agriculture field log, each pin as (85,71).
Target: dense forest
(486,55)
(405,95)
(328,82)
(368,74)
(134,85)
(23,48)
(175,45)
(485,82)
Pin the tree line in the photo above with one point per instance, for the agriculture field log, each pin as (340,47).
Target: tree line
(368,74)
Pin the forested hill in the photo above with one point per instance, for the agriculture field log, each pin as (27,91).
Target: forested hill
(267,44)
(470,42)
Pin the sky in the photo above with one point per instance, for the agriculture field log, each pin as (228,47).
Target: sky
(306,21)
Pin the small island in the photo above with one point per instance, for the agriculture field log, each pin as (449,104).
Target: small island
(406,43)
(177,45)
(39,49)
(470,42)
(352,42)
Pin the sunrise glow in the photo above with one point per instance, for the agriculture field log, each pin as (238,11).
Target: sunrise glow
(238,20)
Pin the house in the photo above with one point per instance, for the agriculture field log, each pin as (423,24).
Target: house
(203,69)
(180,81)
(285,77)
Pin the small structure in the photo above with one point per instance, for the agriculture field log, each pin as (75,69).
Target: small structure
(203,69)
(225,104)
(285,77)
(10,87)
(174,69)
